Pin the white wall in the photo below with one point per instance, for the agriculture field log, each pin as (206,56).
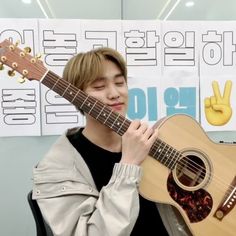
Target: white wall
(18,155)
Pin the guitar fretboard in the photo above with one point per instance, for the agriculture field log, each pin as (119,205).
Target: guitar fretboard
(160,150)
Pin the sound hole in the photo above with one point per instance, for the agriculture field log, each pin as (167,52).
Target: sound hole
(192,171)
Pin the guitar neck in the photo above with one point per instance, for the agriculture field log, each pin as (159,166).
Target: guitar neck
(160,150)
(86,103)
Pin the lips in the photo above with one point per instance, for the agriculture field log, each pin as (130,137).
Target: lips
(117,106)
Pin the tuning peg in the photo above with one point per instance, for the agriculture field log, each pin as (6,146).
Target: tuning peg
(13,46)
(25,72)
(11,72)
(3,58)
(36,58)
(21,79)
(1,66)
(26,51)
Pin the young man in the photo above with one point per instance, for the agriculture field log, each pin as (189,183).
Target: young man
(87,184)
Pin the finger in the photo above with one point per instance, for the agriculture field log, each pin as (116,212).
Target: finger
(207,102)
(227,90)
(218,107)
(153,137)
(224,110)
(148,133)
(213,100)
(134,124)
(143,128)
(216,89)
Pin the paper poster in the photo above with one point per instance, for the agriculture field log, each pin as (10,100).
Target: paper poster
(180,79)
(144,103)
(59,42)
(179,94)
(100,33)
(173,67)
(20,103)
(217,76)
(142,48)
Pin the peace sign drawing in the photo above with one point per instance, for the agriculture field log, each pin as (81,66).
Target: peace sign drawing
(217,108)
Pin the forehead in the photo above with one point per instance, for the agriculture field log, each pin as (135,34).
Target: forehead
(109,65)
(102,70)
(108,69)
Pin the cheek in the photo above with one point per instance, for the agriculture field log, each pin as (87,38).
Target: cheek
(94,94)
(125,94)
(97,95)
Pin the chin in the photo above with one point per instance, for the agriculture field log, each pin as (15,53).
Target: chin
(122,112)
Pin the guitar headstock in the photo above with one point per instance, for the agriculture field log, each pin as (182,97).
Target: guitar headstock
(21,61)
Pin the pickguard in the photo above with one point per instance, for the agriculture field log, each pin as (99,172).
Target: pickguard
(197,204)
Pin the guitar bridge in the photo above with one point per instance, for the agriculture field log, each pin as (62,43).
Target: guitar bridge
(228,202)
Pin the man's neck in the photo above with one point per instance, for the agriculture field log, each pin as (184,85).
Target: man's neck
(102,136)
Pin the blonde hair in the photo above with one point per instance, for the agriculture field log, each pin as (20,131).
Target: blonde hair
(84,68)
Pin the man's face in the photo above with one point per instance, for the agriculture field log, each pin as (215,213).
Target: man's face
(110,88)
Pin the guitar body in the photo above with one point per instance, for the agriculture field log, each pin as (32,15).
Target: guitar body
(184,134)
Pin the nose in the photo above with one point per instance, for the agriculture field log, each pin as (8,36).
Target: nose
(113,93)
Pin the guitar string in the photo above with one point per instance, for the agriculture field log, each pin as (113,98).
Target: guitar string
(194,166)
(113,119)
(51,76)
(45,70)
(181,161)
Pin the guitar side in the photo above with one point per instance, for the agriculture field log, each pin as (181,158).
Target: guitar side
(185,135)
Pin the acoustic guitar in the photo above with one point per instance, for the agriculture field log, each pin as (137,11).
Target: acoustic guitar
(184,167)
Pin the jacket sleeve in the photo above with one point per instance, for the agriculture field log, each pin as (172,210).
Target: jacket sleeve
(79,211)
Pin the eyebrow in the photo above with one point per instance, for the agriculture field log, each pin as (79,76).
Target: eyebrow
(103,78)
(118,75)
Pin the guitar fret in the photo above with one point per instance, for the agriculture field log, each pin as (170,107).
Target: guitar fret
(84,102)
(54,85)
(108,117)
(158,149)
(121,126)
(75,96)
(175,160)
(65,90)
(92,107)
(161,151)
(172,161)
(100,112)
(115,120)
(168,155)
(103,115)
(162,155)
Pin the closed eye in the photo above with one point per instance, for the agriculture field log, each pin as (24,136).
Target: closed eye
(120,83)
(99,87)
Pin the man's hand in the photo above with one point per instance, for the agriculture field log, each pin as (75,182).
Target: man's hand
(217,108)
(136,142)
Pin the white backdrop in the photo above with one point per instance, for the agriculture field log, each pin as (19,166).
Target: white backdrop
(171,67)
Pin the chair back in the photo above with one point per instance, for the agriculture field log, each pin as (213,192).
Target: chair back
(41,226)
